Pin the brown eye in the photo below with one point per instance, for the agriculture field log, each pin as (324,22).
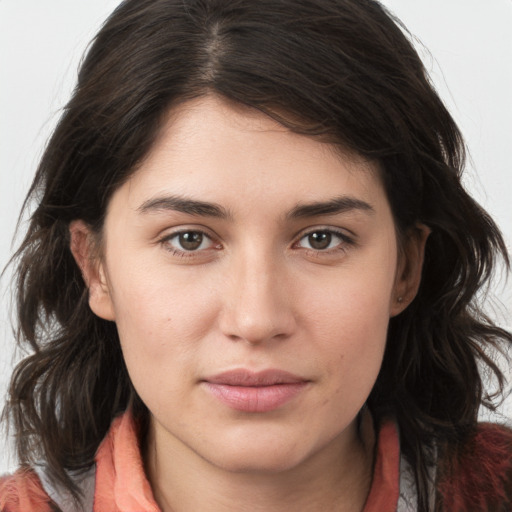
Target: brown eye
(320,240)
(191,240)
(324,240)
(188,242)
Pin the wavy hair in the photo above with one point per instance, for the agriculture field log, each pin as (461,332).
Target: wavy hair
(339,69)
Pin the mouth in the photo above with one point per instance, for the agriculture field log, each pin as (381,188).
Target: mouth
(255,392)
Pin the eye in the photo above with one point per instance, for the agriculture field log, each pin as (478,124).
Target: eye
(188,241)
(323,240)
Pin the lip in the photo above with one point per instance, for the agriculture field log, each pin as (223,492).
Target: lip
(248,391)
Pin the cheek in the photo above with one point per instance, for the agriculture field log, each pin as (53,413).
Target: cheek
(161,317)
(350,316)
(355,299)
(352,352)
(353,342)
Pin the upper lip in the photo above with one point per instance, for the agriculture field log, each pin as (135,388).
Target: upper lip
(242,377)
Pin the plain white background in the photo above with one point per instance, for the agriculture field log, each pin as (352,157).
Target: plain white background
(469,56)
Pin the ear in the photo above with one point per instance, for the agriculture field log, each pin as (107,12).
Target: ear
(409,268)
(83,245)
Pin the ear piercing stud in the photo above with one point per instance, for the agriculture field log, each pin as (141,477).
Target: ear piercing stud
(400,300)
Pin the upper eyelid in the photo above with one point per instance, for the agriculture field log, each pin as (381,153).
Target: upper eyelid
(172,232)
(342,232)
(177,233)
(344,239)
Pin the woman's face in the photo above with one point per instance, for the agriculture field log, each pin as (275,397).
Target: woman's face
(251,272)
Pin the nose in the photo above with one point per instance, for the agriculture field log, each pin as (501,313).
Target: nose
(257,306)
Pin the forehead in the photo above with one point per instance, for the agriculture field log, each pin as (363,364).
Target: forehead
(217,150)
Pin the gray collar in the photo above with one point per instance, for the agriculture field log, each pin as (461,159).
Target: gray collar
(407,501)
(62,498)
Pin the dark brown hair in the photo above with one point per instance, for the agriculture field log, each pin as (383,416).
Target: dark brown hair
(342,69)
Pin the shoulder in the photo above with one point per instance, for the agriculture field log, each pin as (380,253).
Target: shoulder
(478,476)
(32,490)
(23,492)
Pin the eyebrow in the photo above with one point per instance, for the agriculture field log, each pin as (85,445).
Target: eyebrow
(184,205)
(334,206)
(194,207)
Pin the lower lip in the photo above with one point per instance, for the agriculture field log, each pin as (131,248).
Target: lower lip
(257,398)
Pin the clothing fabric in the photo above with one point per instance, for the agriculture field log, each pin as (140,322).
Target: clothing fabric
(117,482)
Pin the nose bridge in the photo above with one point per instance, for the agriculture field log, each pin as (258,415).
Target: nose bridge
(258,309)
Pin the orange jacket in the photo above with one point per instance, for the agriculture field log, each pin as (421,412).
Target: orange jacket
(484,477)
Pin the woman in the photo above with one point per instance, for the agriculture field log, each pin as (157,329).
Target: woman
(252,270)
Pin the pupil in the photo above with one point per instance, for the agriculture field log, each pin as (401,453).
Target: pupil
(191,241)
(320,240)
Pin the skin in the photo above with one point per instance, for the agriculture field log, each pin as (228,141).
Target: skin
(259,292)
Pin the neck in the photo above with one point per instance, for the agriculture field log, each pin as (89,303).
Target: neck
(336,478)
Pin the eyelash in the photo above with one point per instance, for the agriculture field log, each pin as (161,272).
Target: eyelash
(345,242)
(183,253)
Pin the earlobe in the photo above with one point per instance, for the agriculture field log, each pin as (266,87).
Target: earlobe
(409,269)
(84,248)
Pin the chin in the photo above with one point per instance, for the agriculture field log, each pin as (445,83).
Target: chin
(258,454)
(262,462)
